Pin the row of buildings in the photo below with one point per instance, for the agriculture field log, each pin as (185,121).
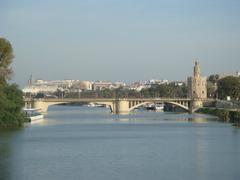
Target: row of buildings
(43,86)
(197,85)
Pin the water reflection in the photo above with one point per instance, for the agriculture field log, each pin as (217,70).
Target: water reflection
(196,118)
(201,155)
(163,117)
(123,120)
(76,143)
(5,155)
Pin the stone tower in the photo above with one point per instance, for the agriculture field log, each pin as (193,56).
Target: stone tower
(197,89)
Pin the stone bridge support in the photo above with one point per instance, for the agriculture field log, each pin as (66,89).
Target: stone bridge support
(195,105)
(43,106)
(121,107)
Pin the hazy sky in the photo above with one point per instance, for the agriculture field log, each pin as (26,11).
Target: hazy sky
(121,39)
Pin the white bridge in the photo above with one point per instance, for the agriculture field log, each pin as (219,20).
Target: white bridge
(117,105)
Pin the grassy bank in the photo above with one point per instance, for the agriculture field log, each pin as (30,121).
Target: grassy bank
(224,115)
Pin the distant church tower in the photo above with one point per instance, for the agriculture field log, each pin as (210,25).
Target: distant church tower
(197,89)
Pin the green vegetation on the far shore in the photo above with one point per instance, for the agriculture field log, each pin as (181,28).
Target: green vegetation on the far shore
(11,97)
(224,115)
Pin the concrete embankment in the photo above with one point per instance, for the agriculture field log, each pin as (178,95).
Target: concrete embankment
(224,115)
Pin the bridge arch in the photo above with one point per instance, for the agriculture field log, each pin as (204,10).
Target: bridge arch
(138,105)
(178,105)
(43,106)
(165,102)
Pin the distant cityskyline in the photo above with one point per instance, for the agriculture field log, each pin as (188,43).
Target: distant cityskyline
(127,40)
(237,73)
(43,86)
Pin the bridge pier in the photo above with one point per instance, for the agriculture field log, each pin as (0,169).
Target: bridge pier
(41,105)
(195,104)
(121,107)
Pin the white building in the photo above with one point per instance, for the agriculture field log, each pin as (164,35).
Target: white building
(34,89)
(156,81)
(99,85)
(86,85)
(117,84)
(138,86)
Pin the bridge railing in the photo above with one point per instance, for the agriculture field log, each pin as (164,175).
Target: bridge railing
(113,99)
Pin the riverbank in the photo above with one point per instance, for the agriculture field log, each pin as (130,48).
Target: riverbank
(224,115)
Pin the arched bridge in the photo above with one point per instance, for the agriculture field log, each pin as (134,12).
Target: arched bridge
(118,105)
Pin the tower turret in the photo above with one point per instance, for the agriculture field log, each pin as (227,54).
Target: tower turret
(197,84)
(197,71)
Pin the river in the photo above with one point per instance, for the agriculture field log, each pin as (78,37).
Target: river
(75,142)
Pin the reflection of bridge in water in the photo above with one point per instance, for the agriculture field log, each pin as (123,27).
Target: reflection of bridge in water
(117,105)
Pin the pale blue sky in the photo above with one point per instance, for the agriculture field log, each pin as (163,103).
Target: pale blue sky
(124,40)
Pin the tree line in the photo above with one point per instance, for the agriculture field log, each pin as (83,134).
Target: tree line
(163,90)
(224,87)
(219,88)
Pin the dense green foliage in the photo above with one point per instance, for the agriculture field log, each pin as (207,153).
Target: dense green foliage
(164,90)
(11,103)
(212,85)
(235,117)
(229,86)
(213,78)
(223,114)
(6,57)
(11,98)
(211,90)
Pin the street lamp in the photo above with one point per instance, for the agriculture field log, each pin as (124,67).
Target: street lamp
(79,93)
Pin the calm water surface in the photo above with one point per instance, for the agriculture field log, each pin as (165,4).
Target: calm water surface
(92,144)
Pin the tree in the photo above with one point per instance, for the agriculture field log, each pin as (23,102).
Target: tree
(165,90)
(11,103)
(211,90)
(229,86)
(6,57)
(11,97)
(213,78)
(212,85)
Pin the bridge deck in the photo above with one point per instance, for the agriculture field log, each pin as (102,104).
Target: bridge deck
(108,99)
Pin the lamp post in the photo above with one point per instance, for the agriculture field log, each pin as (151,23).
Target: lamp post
(79,93)
(62,92)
